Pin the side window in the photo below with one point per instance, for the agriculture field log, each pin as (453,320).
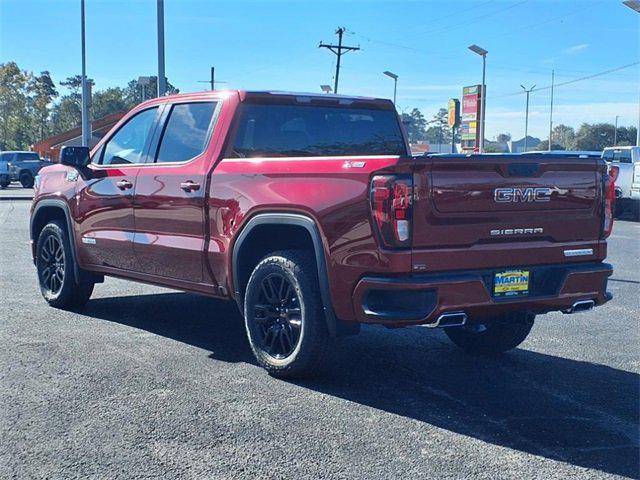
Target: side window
(127,145)
(186,132)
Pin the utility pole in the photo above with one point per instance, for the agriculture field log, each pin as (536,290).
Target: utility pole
(339,50)
(526,118)
(86,125)
(162,79)
(551,110)
(615,132)
(212,82)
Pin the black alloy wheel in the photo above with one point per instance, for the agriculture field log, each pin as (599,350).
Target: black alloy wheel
(56,268)
(278,316)
(283,313)
(51,265)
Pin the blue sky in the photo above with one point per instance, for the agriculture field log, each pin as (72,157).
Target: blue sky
(274,45)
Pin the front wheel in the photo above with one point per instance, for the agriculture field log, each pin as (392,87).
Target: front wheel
(283,314)
(498,336)
(26,180)
(55,265)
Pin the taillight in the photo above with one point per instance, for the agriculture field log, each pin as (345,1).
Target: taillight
(609,200)
(391,201)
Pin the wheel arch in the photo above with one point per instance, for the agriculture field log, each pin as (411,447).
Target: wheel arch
(283,220)
(45,211)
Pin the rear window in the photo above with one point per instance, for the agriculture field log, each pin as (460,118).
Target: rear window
(618,156)
(302,130)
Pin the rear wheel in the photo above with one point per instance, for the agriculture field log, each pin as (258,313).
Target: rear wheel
(55,265)
(26,180)
(498,336)
(283,313)
(4,183)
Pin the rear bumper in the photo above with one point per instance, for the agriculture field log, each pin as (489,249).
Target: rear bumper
(422,299)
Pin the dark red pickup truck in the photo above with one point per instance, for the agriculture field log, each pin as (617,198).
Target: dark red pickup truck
(309,212)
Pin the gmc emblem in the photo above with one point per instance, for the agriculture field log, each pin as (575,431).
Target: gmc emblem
(523,195)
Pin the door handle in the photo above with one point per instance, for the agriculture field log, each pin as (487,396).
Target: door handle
(124,184)
(190,186)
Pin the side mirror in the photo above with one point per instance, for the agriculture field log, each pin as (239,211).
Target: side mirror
(74,156)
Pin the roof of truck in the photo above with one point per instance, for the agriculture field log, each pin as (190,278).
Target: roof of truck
(297,97)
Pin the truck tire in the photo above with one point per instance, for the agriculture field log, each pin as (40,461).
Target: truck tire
(55,266)
(500,335)
(4,183)
(283,314)
(26,180)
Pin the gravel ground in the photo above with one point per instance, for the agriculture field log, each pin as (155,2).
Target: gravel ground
(151,383)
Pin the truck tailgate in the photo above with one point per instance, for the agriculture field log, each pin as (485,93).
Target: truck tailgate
(509,209)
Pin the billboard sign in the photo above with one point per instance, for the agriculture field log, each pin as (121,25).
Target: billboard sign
(471,105)
(453,118)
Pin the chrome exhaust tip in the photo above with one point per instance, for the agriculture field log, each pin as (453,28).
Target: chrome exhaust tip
(450,319)
(580,306)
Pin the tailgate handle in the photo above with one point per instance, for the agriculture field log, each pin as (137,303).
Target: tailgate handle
(523,169)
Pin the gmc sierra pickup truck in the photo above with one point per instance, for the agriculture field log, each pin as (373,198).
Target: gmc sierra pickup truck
(309,213)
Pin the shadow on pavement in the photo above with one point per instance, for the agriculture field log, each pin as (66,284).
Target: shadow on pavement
(576,412)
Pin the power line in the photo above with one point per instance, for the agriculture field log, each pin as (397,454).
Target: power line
(575,80)
(474,20)
(338,50)
(457,13)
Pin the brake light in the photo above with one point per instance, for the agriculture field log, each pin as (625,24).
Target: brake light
(609,200)
(391,202)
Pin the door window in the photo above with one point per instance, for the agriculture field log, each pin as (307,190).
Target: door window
(128,144)
(186,132)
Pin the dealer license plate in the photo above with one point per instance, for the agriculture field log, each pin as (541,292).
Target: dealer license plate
(511,283)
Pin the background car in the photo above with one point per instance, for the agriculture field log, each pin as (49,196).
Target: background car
(17,166)
(627,159)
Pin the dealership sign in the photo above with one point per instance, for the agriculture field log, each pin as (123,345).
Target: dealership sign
(471,105)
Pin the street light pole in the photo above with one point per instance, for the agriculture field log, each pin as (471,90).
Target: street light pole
(395,89)
(86,126)
(484,102)
(635,6)
(551,110)
(615,132)
(162,79)
(395,83)
(526,118)
(483,53)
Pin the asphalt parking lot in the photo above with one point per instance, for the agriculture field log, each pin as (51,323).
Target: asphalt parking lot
(151,383)
(15,191)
